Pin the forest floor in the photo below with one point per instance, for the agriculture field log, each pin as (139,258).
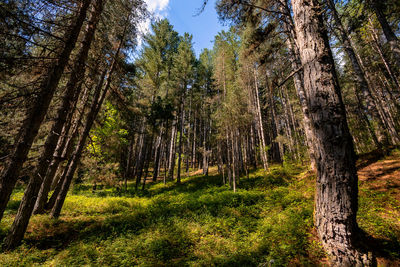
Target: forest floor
(267,222)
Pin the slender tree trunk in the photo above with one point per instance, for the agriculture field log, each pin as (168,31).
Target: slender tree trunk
(361,81)
(194,144)
(182,115)
(94,110)
(205,151)
(66,154)
(276,149)
(74,160)
(298,78)
(37,112)
(260,125)
(233,154)
(378,48)
(337,182)
(25,209)
(367,121)
(157,154)
(62,152)
(387,31)
(149,151)
(128,163)
(171,160)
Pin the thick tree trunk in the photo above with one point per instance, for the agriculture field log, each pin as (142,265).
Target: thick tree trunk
(36,114)
(337,182)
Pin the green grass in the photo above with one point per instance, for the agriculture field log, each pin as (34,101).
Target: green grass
(267,222)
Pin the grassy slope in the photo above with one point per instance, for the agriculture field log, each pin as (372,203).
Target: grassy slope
(199,223)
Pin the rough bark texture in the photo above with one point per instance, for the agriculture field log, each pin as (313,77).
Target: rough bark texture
(36,114)
(337,191)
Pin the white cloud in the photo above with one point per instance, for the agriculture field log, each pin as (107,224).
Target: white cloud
(158,9)
(157,5)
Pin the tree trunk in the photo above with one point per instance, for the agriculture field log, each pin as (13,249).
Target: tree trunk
(65,152)
(361,81)
(157,154)
(98,100)
(388,66)
(182,114)
(387,31)
(259,123)
(276,149)
(36,114)
(25,209)
(337,182)
(171,160)
(294,58)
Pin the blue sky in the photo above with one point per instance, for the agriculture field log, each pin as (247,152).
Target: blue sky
(182,15)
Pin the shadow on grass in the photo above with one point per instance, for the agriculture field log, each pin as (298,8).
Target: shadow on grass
(204,198)
(368,158)
(12,206)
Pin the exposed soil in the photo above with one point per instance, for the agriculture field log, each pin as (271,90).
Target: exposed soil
(382,175)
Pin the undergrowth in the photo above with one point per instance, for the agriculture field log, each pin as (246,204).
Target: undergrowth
(267,222)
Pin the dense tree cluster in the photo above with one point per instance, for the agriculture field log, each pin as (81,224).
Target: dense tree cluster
(303,80)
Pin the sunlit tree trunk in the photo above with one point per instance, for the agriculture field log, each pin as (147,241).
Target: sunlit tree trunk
(337,183)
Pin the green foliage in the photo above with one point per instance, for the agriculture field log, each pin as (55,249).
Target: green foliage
(200,222)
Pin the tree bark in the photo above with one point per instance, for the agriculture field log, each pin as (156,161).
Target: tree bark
(36,114)
(337,181)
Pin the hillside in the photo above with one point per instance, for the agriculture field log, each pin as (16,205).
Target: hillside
(267,222)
